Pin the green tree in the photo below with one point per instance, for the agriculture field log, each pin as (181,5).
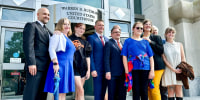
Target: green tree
(12,46)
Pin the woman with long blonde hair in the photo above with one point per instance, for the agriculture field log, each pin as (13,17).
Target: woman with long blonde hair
(61,51)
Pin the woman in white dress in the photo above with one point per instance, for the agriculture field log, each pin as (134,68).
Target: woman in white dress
(173,55)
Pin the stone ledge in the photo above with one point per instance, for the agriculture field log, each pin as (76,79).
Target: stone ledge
(185,9)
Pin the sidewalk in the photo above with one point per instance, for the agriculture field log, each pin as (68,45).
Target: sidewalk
(92,98)
(130,98)
(192,98)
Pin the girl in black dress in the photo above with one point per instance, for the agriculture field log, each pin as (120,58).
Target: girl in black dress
(81,59)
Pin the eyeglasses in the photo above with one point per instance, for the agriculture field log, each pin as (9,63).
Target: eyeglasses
(139,28)
(117,32)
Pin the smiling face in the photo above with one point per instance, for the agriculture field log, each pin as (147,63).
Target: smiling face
(138,29)
(170,35)
(147,26)
(99,27)
(80,29)
(115,34)
(155,30)
(66,26)
(43,15)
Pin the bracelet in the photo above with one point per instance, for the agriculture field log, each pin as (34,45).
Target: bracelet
(55,63)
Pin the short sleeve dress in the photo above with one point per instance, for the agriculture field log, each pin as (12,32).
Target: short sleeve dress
(172,53)
(66,73)
(83,50)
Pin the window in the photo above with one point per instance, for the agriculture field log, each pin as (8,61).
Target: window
(125,31)
(119,3)
(13,82)
(93,3)
(13,46)
(141,19)
(13,76)
(17,15)
(123,26)
(137,7)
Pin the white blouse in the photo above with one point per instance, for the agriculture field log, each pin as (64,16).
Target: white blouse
(57,43)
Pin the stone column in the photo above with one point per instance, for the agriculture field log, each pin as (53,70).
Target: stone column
(186,18)
(163,15)
(37,6)
(132,16)
(157,12)
(105,15)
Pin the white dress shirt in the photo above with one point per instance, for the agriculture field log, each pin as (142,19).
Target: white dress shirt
(40,23)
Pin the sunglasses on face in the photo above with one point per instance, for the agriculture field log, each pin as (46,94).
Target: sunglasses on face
(139,28)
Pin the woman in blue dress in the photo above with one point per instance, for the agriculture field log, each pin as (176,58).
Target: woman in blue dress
(138,62)
(61,51)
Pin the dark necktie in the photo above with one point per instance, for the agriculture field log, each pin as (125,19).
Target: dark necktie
(46,32)
(120,47)
(45,29)
(101,37)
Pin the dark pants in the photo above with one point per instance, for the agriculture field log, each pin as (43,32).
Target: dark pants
(35,86)
(116,88)
(100,84)
(140,84)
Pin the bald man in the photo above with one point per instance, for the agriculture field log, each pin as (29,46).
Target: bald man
(35,46)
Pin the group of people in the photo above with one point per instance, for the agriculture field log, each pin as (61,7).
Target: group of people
(110,62)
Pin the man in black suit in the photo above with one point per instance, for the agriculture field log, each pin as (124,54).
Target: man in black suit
(35,46)
(114,66)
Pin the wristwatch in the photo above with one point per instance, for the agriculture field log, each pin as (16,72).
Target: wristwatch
(55,63)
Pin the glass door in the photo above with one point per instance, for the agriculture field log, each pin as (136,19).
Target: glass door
(12,63)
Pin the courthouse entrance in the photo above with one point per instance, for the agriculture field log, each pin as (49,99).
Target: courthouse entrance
(12,78)
(12,58)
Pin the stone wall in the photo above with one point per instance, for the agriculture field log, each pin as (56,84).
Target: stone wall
(184,15)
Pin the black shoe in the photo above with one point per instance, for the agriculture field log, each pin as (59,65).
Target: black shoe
(170,98)
(179,98)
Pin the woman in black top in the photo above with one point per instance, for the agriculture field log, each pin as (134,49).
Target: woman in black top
(81,62)
(156,44)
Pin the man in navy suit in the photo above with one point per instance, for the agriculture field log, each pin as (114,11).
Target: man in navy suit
(97,41)
(114,66)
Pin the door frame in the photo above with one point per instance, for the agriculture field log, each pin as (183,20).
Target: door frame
(7,66)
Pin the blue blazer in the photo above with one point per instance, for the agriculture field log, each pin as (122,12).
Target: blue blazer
(96,57)
(113,59)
